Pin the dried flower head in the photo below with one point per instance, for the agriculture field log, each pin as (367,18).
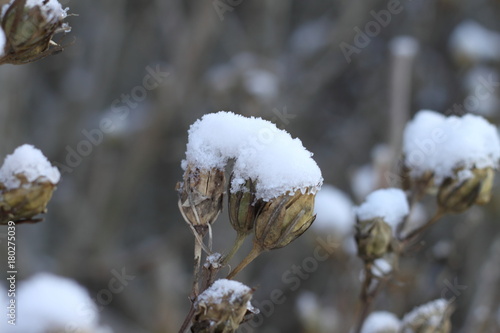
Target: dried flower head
(373,238)
(27,181)
(467,188)
(200,196)
(23,203)
(29,27)
(243,207)
(222,307)
(282,219)
(432,317)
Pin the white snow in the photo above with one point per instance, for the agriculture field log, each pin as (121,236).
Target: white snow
(433,312)
(404,46)
(381,267)
(264,153)
(51,10)
(390,204)
(433,142)
(31,163)
(213,260)
(47,302)
(381,322)
(224,290)
(471,40)
(3,40)
(334,212)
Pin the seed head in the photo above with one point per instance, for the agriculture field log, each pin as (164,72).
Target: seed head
(373,238)
(29,31)
(200,196)
(23,203)
(243,208)
(284,218)
(459,193)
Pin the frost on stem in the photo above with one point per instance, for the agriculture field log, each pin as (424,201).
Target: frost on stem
(222,307)
(27,29)
(27,181)
(455,156)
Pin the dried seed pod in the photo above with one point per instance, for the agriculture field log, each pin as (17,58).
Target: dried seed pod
(282,219)
(487,185)
(373,238)
(433,317)
(200,196)
(29,29)
(28,200)
(243,208)
(468,187)
(222,307)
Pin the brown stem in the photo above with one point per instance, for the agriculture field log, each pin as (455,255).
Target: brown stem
(240,238)
(366,297)
(195,288)
(412,235)
(254,253)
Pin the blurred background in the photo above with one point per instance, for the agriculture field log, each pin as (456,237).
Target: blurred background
(112,112)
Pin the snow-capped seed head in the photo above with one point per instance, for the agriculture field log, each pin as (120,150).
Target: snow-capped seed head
(281,220)
(221,307)
(440,145)
(431,317)
(276,162)
(373,238)
(200,196)
(388,204)
(469,187)
(27,181)
(243,208)
(29,30)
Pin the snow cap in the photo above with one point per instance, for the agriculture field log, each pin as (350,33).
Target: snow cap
(262,152)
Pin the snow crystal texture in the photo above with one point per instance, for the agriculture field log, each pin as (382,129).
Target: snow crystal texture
(31,163)
(221,289)
(264,153)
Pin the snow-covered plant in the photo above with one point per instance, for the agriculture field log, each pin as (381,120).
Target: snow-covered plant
(27,29)
(27,181)
(222,307)
(272,185)
(452,158)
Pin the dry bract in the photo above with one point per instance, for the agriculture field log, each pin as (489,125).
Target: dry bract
(243,208)
(28,200)
(200,196)
(282,219)
(457,195)
(373,238)
(29,34)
